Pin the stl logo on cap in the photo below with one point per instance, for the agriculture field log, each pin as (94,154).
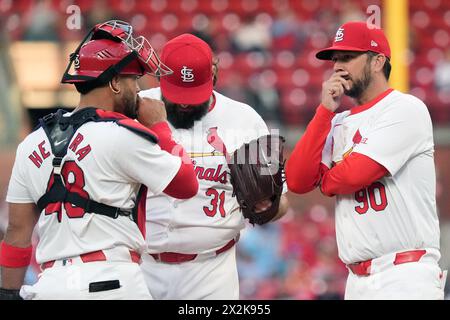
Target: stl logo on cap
(187,75)
(339,35)
(76,62)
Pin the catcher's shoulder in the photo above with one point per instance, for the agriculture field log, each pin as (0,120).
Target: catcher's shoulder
(31,140)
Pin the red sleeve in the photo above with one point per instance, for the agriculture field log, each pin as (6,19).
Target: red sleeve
(355,172)
(185,184)
(303,168)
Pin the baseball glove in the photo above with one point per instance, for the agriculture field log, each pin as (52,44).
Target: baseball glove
(257,174)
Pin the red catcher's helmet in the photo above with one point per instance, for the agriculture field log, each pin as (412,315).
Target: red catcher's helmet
(96,56)
(110,49)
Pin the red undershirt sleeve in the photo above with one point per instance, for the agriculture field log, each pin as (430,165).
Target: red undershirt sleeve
(355,172)
(303,168)
(185,184)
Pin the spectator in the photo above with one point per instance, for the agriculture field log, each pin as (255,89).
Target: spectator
(267,260)
(41,22)
(252,35)
(235,87)
(204,27)
(442,73)
(350,11)
(287,31)
(266,97)
(100,11)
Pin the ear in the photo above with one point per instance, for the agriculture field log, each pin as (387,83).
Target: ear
(215,69)
(114,84)
(379,62)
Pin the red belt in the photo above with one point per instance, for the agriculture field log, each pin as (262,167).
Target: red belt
(93,256)
(363,268)
(173,257)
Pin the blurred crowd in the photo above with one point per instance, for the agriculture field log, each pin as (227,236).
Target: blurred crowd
(294,259)
(266,59)
(265,48)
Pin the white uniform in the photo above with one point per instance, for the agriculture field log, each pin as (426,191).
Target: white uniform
(396,213)
(207,222)
(108,163)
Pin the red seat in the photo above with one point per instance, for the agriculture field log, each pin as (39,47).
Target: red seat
(143,6)
(214,6)
(122,6)
(235,6)
(267,6)
(185,23)
(437,103)
(21,6)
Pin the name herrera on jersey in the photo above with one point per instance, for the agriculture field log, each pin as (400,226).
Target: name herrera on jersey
(211,174)
(38,158)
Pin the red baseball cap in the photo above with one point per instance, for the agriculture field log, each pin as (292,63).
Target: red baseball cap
(357,36)
(190,58)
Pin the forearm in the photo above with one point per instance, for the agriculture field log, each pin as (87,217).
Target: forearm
(167,143)
(15,254)
(355,172)
(16,249)
(303,168)
(12,278)
(185,184)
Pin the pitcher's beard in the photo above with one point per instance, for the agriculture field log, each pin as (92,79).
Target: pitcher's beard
(360,85)
(182,118)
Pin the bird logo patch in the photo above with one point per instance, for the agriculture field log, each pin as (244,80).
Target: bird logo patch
(357,139)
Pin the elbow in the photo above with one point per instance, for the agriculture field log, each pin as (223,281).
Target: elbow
(296,186)
(295,180)
(345,186)
(190,190)
(184,185)
(326,192)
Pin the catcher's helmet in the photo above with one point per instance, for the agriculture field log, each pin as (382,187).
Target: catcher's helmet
(110,49)
(96,56)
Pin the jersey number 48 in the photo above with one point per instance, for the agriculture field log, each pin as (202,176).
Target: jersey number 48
(73,179)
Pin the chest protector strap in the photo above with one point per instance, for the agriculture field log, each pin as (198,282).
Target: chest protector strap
(60,130)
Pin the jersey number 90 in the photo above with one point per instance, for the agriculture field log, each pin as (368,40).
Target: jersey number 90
(373,197)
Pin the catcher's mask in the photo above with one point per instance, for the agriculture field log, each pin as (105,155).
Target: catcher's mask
(110,49)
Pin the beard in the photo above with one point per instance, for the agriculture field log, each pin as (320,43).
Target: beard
(127,105)
(360,85)
(184,119)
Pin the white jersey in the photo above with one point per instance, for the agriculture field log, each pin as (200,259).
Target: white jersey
(212,218)
(105,162)
(397,212)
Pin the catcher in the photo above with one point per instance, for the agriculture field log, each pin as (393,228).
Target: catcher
(191,243)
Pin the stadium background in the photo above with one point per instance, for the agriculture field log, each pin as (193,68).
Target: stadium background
(266,53)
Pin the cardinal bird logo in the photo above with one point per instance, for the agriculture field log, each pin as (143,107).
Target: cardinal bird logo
(216,142)
(357,139)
